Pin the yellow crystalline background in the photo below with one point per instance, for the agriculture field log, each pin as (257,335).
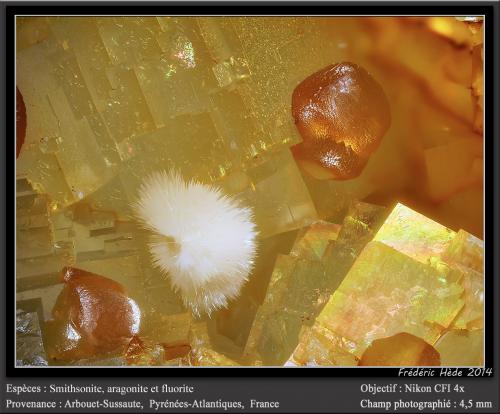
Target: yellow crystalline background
(340,264)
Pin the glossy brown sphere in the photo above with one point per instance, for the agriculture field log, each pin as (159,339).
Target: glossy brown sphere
(93,315)
(342,114)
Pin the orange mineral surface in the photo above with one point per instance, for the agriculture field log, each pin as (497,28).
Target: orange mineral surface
(342,114)
(402,349)
(92,315)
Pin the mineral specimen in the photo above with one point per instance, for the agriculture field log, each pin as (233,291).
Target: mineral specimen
(303,281)
(236,321)
(342,114)
(140,353)
(111,100)
(459,347)
(170,331)
(465,255)
(414,235)
(454,167)
(202,352)
(30,349)
(398,350)
(278,195)
(399,283)
(92,315)
(209,358)
(202,239)
(20,121)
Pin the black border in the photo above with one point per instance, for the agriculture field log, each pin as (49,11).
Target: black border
(258,8)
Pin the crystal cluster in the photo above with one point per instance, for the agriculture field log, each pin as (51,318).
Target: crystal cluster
(30,348)
(403,281)
(351,262)
(303,281)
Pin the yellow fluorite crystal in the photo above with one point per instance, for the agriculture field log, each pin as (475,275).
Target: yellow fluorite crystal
(202,352)
(386,292)
(303,281)
(399,283)
(413,234)
(279,197)
(461,348)
(465,254)
(313,240)
(207,357)
(202,94)
(293,296)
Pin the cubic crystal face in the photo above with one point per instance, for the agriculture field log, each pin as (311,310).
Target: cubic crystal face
(303,281)
(403,281)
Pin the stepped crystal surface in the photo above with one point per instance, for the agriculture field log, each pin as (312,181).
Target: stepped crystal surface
(398,284)
(29,337)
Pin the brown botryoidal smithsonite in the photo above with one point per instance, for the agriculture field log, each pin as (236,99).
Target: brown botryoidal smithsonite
(93,315)
(20,121)
(402,349)
(342,114)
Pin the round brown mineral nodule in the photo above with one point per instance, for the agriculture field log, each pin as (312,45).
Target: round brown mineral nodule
(342,114)
(93,315)
(402,349)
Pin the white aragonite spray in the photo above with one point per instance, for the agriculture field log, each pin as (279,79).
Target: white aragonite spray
(202,239)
